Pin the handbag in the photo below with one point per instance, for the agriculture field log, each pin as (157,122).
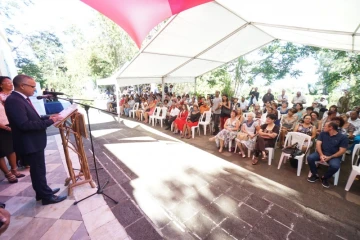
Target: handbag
(225,111)
(294,151)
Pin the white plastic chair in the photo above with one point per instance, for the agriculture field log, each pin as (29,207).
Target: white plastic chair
(271,150)
(263,118)
(355,168)
(301,139)
(197,126)
(155,114)
(162,117)
(238,141)
(205,122)
(336,175)
(135,108)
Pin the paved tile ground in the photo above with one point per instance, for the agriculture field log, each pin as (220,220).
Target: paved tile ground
(31,220)
(170,189)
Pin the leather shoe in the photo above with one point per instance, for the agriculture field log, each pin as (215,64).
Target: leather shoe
(53,199)
(55,190)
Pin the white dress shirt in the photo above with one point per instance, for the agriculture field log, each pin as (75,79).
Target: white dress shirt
(174,112)
(356,123)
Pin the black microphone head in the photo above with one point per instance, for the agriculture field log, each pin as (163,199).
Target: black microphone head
(52,93)
(39,97)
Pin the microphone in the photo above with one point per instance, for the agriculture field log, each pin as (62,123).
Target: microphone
(44,96)
(53,93)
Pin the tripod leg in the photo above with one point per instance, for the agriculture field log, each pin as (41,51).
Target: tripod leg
(76,202)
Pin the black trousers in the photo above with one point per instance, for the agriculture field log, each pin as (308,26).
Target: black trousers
(38,174)
(170,120)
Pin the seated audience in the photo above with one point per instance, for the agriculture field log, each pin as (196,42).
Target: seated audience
(229,132)
(257,111)
(315,106)
(300,110)
(180,121)
(306,127)
(129,106)
(330,115)
(348,128)
(332,108)
(243,104)
(204,106)
(239,115)
(225,110)
(354,120)
(330,146)
(266,138)
(284,108)
(315,119)
(247,135)
(149,110)
(288,123)
(174,112)
(192,121)
(141,109)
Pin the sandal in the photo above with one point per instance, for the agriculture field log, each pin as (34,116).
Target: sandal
(11,177)
(17,174)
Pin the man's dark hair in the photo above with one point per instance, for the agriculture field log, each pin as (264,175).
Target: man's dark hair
(340,119)
(333,125)
(19,79)
(310,108)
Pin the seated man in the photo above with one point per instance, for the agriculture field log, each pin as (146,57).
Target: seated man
(174,112)
(243,104)
(204,107)
(330,146)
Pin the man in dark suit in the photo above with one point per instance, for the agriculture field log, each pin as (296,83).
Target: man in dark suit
(29,135)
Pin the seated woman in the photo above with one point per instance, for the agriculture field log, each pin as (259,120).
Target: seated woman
(348,128)
(306,127)
(332,108)
(239,115)
(129,106)
(300,110)
(284,108)
(180,121)
(266,107)
(266,137)
(141,109)
(229,132)
(247,134)
(288,123)
(315,119)
(191,122)
(149,110)
(328,118)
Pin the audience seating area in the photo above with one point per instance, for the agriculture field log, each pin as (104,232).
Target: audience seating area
(162,114)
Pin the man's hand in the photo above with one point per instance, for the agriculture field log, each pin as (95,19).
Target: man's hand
(322,158)
(5,219)
(56,117)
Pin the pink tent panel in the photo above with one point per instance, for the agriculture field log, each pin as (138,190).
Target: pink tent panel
(138,17)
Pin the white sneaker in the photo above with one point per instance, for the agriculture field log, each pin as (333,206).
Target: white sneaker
(348,152)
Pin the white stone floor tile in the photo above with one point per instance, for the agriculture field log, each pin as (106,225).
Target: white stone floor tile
(98,218)
(55,210)
(111,230)
(61,230)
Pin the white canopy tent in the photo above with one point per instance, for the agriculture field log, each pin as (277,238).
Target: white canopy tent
(203,38)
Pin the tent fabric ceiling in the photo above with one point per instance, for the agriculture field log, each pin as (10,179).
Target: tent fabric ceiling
(205,37)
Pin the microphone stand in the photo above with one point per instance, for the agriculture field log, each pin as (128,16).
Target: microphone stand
(100,189)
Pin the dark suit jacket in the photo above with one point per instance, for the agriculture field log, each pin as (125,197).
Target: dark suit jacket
(28,128)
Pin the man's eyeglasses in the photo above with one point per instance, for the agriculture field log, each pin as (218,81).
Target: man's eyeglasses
(29,85)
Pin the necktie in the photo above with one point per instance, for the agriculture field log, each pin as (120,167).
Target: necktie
(28,99)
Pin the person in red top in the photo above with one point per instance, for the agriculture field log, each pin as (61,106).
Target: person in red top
(121,104)
(181,119)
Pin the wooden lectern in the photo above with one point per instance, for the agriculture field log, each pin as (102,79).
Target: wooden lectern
(73,124)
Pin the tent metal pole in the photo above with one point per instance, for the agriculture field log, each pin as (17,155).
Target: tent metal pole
(162,89)
(195,86)
(117,100)
(353,37)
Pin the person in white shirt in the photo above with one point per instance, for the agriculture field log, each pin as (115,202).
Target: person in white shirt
(174,112)
(243,104)
(354,120)
(298,99)
(282,98)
